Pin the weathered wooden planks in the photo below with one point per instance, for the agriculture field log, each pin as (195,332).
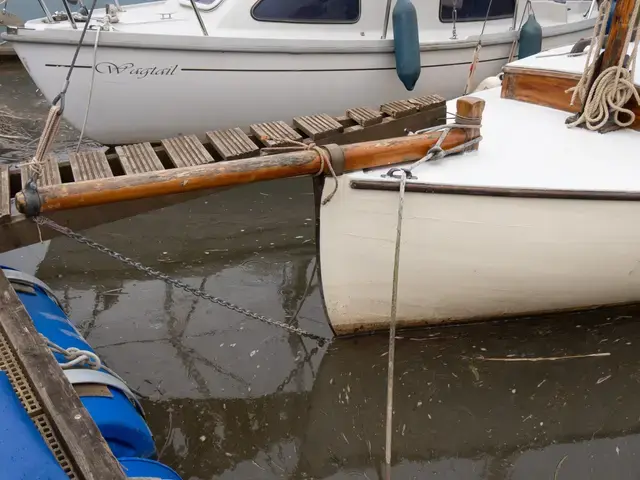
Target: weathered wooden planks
(274,134)
(78,445)
(233,144)
(50,174)
(90,165)
(399,108)
(186,151)
(317,126)
(5,194)
(139,158)
(365,116)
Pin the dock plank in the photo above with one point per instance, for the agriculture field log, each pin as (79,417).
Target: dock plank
(233,144)
(5,194)
(317,126)
(80,438)
(139,158)
(186,151)
(427,101)
(274,134)
(365,116)
(90,165)
(399,108)
(50,173)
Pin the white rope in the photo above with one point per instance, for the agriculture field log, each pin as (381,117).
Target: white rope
(77,357)
(614,86)
(392,330)
(93,77)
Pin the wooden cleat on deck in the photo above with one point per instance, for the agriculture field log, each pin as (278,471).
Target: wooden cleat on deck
(186,151)
(233,144)
(275,134)
(139,158)
(365,116)
(317,126)
(90,165)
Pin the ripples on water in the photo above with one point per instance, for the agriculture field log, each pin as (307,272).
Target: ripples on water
(229,398)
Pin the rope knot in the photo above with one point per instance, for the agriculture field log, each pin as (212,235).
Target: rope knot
(288,145)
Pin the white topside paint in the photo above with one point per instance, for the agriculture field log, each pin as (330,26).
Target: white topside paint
(529,146)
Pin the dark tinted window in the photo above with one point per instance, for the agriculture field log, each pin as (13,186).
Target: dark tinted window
(470,10)
(307,11)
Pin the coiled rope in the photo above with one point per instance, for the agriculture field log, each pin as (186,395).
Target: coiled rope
(614,86)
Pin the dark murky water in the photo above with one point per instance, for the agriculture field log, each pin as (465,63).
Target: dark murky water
(230,398)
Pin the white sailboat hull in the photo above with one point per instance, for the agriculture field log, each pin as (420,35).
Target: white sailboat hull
(145,94)
(467,257)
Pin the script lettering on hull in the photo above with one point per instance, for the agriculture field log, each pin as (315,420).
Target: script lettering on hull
(110,68)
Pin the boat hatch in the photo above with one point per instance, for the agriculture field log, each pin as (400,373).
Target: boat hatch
(206,5)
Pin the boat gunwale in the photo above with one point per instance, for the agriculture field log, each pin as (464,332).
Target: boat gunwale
(485,191)
(213,44)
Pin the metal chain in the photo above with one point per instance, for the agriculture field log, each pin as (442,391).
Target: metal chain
(172,281)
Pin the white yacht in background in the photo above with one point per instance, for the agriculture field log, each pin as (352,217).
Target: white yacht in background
(164,68)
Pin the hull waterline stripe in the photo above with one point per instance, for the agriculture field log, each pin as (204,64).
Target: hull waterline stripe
(54,65)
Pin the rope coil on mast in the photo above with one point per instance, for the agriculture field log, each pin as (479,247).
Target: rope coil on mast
(614,86)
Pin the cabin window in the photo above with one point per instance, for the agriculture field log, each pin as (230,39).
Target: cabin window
(205,5)
(307,11)
(474,11)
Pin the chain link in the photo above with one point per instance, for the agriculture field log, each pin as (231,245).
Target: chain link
(172,281)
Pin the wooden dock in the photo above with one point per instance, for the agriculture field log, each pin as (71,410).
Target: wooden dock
(48,398)
(360,124)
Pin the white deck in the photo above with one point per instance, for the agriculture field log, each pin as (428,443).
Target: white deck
(529,146)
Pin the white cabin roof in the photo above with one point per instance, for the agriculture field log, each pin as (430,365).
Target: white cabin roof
(529,146)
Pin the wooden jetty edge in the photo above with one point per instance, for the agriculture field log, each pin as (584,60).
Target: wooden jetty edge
(49,399)
(95,177)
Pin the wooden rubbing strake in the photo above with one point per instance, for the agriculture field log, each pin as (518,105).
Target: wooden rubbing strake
(274,134)
(139,158)
(90,165)
(5,194)
(400,108)
(365,116)
(50,173)
(186,151)
(233,144)
(317,126)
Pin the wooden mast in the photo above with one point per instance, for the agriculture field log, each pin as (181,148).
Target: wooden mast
(620,25)
(212,175)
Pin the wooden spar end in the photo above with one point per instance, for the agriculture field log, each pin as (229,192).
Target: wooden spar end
(51,401)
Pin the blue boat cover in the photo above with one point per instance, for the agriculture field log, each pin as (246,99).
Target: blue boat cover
(23,453)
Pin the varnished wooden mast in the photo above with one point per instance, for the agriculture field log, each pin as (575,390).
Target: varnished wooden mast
(620,25)
(292,164)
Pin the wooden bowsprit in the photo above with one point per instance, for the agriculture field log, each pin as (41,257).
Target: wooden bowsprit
(99,187)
